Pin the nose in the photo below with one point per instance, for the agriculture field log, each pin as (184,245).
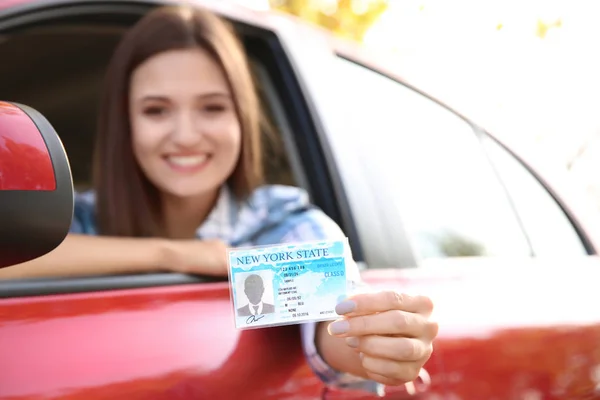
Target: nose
(186,131)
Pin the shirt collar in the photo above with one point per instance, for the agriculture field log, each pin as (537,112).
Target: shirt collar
(238,223)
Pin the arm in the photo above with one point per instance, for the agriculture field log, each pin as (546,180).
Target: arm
(84,255)
(93,255)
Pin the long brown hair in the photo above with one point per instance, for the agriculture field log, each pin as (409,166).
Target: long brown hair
(127,204)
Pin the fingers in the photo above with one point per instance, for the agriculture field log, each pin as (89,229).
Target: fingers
(391,331)
(393,348)
(393,322)
(385,380)
(369,303)
(391,360)
(390,372)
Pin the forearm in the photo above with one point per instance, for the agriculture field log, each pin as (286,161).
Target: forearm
(81,255)
(336,353)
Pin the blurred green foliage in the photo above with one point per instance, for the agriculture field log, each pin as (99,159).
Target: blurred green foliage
(349,19)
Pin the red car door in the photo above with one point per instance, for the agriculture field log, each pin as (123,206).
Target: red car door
(170,342)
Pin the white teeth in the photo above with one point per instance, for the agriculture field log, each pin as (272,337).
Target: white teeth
(187,161)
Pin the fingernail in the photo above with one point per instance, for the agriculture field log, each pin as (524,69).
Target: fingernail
(352,341)
(339,327)
(361,355)
(345,307)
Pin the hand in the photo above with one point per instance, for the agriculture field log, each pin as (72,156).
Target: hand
(391,332)
(204,257)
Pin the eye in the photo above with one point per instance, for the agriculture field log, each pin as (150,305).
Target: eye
(154,111)
(214,108)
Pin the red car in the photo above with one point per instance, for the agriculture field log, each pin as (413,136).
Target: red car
(431,203)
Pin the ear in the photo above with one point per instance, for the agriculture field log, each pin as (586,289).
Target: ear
(36,187)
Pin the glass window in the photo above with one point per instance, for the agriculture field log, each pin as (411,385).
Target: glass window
(450,199)
(548,228)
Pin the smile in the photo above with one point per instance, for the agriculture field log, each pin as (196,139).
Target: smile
(191,163)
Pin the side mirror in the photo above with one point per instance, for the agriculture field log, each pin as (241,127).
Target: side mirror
(36,187)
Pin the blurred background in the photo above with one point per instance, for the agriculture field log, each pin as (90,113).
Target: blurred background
(525,70)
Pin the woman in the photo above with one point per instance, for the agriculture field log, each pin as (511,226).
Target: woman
(178,180)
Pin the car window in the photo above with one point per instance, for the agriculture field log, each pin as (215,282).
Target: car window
(548,228)
(436,173)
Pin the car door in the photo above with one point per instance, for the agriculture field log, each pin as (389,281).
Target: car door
(512,272)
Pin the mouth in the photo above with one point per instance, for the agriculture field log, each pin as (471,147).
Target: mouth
(188,163)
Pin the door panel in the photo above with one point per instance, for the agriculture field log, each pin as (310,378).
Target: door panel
(163,343)
(175,342)
(509,329)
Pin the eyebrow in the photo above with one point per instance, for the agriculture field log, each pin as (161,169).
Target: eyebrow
(200,96)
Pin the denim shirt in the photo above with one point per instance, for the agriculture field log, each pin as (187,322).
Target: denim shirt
(270,215)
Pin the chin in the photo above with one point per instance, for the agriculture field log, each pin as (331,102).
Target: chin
(188,190)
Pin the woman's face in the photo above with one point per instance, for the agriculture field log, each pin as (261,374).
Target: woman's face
(185,132)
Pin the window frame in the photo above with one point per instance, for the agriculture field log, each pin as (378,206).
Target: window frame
(579,229)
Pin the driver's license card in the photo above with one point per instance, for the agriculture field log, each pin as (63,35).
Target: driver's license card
(288,283)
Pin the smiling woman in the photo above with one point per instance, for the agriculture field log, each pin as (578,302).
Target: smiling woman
(212,116)
(186,138)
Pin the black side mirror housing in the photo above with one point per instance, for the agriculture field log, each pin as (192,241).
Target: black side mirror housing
(36,186)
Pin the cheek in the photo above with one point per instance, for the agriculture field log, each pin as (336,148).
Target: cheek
(144,140)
